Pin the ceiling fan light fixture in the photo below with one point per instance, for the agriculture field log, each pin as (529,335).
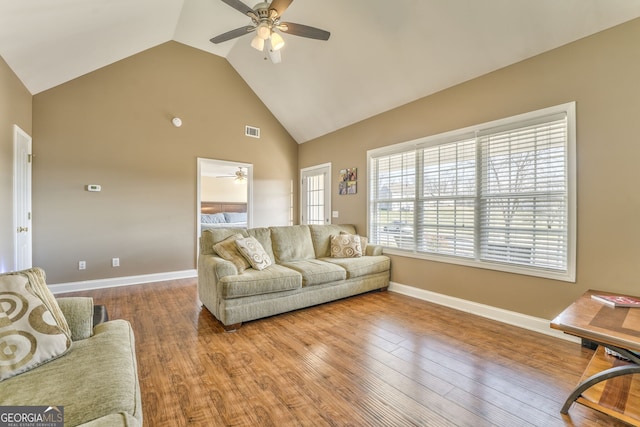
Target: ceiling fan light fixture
(257,43)
(277,42)
(263,31)
(265,19)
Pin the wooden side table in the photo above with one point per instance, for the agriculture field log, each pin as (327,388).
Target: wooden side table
(608,384)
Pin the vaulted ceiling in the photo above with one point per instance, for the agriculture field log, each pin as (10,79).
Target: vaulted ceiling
(381,54)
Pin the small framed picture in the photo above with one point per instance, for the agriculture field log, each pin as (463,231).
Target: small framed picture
(348,181)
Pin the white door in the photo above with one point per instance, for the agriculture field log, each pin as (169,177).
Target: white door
(22,199)
(315,195)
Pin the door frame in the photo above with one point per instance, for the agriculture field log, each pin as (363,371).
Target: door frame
(308,171)
(202,161)
(22,210)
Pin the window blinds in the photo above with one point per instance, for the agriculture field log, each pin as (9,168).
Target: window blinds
(523,195)
(499,195)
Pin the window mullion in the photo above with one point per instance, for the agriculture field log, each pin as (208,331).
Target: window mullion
(477,220)
(418,204)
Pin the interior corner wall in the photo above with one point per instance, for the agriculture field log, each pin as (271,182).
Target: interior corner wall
(112,127)
(15,108)
(600,73)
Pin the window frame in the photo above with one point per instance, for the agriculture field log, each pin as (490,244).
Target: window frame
(476,132)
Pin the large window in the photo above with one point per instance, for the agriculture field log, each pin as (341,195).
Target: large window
(499,195)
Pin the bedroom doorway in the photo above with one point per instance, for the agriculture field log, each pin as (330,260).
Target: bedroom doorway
(224,194)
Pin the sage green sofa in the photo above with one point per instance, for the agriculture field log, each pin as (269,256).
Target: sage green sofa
(95,380)
(302,273)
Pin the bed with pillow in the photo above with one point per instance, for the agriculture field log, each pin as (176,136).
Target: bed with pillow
(223,215)
(223,220)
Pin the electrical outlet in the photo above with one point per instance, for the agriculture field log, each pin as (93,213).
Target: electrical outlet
(115,262)
(82,265)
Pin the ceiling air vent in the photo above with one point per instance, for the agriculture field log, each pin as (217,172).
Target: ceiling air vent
(251,131)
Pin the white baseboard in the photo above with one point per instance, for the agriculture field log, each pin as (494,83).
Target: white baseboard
(531,323)
(113,282)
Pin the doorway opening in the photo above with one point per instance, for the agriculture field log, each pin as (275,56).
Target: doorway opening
(224,194)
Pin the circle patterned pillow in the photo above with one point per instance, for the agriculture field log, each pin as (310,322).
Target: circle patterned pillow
(253,251)
(346,246)
(29,334)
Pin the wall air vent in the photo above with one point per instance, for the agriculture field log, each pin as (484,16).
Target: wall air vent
(251,131)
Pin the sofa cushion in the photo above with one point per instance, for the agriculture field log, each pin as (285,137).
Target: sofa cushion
(96,377)
(228,250)
(274,278)
(321,237)
(29,335)
(362,266)
(114,420)
(317,272)
(292,243)
(253,251)
(345,245)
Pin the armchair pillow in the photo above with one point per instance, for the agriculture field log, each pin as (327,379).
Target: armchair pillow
(29,333)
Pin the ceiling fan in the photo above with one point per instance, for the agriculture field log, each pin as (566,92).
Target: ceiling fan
(265,19)
(239,175)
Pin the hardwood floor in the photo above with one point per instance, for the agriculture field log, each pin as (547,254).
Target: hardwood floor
(379,359)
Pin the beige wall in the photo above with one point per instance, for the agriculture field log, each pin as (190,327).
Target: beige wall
(602,74)
(214,189)
(113,127)
(15,108)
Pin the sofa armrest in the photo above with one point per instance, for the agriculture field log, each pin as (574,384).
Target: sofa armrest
(373,250)
(79,314)
(218,267)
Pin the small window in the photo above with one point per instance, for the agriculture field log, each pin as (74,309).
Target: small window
(499,195)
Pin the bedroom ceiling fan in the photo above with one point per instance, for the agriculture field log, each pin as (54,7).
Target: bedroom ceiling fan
(265,19)
(239,175)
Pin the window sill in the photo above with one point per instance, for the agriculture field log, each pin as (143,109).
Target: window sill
(564,276)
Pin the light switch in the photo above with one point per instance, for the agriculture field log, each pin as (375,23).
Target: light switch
(335,214)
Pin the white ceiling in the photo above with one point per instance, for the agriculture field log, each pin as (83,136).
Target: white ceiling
(381,54)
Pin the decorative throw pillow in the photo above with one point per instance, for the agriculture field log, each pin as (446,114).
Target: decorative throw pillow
(38,284)
(364,241)
(254,253)
(228,250)
(29,334)
(346,246)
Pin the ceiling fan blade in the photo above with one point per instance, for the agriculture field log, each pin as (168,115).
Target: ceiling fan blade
(279,6)
(232,34)
(238,5)
(304,31)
